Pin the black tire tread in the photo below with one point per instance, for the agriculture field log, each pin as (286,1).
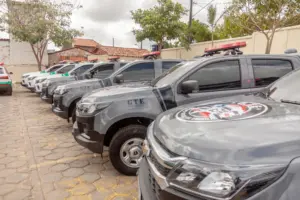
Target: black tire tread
(116,143)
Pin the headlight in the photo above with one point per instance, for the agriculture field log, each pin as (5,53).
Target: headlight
(89,108)
(46,83)
(60,91)
(31,78)
(218,181)
(41,80)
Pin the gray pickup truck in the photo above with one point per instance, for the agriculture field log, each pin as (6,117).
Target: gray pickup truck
(49,86)
(66,96)
(118,116)
(51,82)
(239,147)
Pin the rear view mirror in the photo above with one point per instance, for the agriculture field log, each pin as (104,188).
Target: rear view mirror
(119,78)
(188,87)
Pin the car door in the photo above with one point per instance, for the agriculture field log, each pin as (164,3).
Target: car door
(221,78)
(264,71)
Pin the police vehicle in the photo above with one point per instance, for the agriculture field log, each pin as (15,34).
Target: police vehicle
(32,78)
(118,116)
(242,147)
(91,76)
(25,76)
(5,81)
(66,96)
(60,79)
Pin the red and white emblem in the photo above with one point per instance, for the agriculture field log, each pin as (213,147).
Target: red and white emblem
(222,112)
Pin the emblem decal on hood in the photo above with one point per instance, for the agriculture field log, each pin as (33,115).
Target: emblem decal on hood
(222,112)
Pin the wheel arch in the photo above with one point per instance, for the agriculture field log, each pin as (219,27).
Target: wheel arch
(123,122)
(72,106)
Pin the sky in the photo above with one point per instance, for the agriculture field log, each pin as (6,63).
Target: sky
(103,20)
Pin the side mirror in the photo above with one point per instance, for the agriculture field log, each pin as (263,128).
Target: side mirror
(188,87)
(11,73)
(119,78)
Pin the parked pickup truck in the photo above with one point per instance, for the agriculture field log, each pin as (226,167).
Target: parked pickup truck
(240,147)
(64,69)
(60,79)
(25,76)
(66,96)
(118,116)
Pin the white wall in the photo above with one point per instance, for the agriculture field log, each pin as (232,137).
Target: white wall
(4,52)
(256,44)
(21,54)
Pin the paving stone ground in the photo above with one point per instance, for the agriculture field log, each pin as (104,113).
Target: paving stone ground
(40,160)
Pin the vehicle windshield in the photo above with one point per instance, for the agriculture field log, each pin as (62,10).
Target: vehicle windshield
(287,88)
(1,70)
(173,74)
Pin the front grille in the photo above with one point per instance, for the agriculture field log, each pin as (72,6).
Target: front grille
(162,170)
(58,103)
(81,127)
(154,185)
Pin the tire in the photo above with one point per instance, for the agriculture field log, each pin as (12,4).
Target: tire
(73,115)
(131,132)
(9,91)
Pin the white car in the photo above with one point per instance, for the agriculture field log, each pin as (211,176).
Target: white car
(5,81)
(64,69)
(27,75)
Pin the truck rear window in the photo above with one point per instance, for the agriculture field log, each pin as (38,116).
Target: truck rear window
(1,71)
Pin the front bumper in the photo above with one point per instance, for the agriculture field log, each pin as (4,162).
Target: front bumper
(45,96)
(85,135)
(58,108)
(38,88)
(150,190)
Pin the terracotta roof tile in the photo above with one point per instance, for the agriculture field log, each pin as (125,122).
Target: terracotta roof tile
(85,42)
(121,51)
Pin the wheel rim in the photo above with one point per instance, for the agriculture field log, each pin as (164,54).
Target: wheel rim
(131,152)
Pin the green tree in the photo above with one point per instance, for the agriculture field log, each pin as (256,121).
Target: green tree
(199,32)
(265,16)
(229,29)
(39,22)
(211,18)
(160,23)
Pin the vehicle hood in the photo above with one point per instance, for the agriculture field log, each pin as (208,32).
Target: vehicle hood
(31,73)
(235,130)
(79,84)
(59,77)
(116,92)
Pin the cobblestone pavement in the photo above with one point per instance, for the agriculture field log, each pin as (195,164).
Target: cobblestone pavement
(39,158)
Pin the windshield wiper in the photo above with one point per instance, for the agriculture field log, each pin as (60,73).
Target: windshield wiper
(291,102)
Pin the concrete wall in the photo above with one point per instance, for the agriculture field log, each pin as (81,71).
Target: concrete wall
(256,44)
(21,53)
(19,70)
(4,51)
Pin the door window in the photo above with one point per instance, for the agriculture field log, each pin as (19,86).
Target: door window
(218,76)
(82,69)
(53,69)
(103,71)
(266,71)
(66,69)
(139,72)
